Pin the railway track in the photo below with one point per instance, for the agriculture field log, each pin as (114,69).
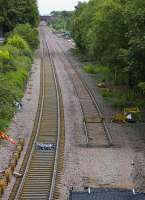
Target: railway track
(43,164)
(96,130)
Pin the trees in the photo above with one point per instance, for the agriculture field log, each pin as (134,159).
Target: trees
(112,32)
(61,20)
(20,19)
(14,12)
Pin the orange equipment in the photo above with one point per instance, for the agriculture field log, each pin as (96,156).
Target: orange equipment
(6,137)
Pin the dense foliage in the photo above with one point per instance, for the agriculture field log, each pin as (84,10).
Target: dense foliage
(19,20)
(15,63)
(29,34)
(112,32)
(13,12)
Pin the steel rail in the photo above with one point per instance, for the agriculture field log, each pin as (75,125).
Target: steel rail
(92,96)
(19,189)
(36,136)
(51,194)
(82,111)
(31,141)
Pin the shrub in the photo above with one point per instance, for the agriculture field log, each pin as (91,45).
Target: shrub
(89,69)
(29,34)
(102,69)
(4,56)
(117,102)
(13,51)
(6,63)
(18,42)
(106,93)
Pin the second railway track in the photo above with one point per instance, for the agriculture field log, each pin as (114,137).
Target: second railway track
(42,167)
(96,130)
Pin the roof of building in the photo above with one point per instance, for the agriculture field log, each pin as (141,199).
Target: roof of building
(107,194)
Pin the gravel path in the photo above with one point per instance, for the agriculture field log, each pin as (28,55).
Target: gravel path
(22,123)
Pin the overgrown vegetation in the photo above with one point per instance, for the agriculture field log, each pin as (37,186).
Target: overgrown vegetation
(118,96)
(19,20)
(112,33)
(15,63)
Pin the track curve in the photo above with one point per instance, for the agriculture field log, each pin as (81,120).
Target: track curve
(43,162)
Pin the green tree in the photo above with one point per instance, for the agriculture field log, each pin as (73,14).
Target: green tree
(13,12)
(112,32)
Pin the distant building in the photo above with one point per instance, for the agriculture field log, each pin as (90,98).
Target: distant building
(48,18)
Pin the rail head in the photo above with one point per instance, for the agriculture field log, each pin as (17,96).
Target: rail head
(35,140)
(92,96)
(51,194)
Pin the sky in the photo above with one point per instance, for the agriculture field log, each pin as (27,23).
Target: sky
(46,6)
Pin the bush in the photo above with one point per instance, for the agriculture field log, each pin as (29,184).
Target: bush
(4,56)
(18,42)
(106,93)
(102,69)
(89,69)
(6,63)
(119,102)
(13,51)
(29,34)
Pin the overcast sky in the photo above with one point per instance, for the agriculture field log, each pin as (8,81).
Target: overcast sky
(46,6)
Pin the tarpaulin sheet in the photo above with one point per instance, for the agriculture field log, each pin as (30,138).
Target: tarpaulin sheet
(107,194)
